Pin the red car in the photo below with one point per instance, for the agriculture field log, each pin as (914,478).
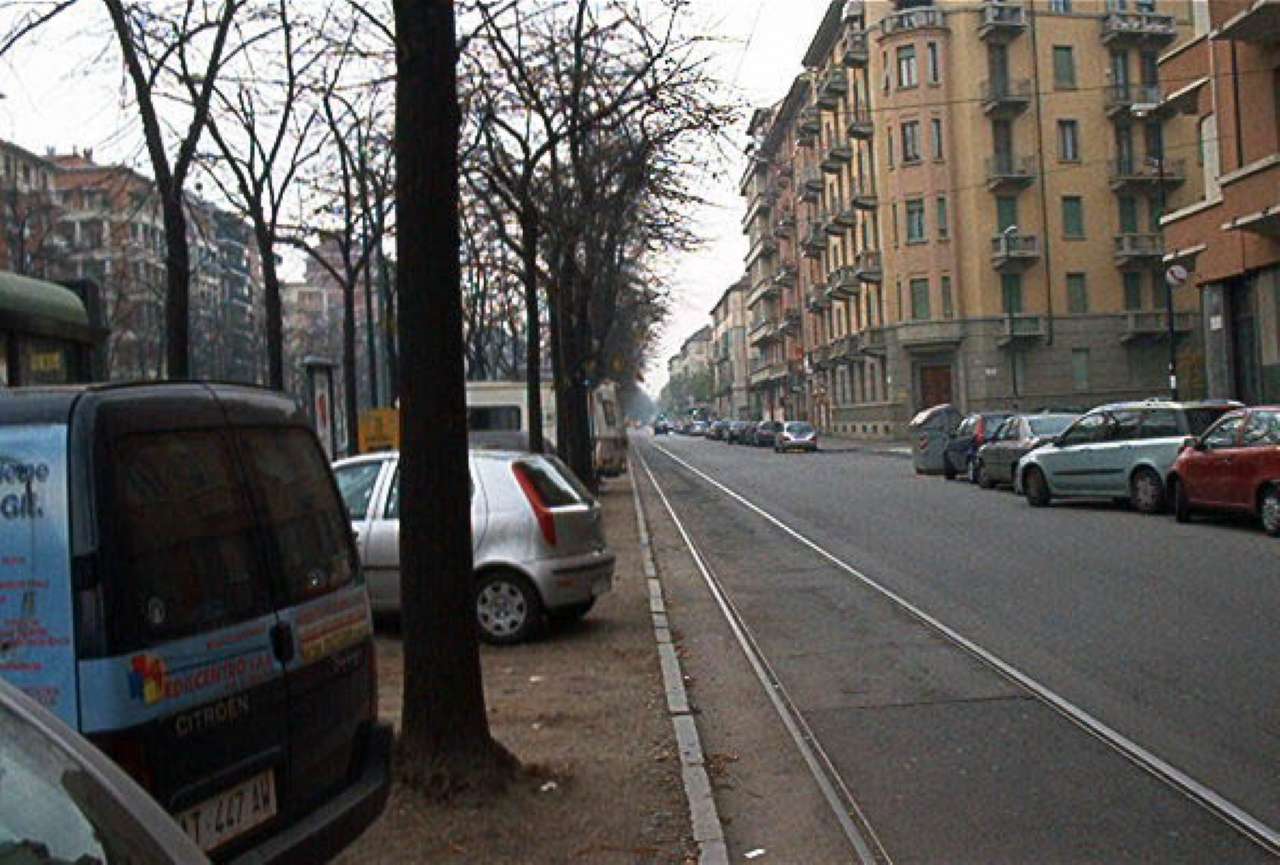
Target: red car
(1234,466)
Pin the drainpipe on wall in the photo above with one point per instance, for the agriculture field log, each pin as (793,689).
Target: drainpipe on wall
(1042,162)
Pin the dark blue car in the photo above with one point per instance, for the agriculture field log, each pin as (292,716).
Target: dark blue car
(961,456)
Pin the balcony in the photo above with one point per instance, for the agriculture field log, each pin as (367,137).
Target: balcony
(853,11)
(785,225)
(1121,99)
(1002,22)
(762,332)
(1259,25)
(842,283)
(1136,250)
(809,120)
(1138,29)
(1022,329)
(1014,252)
(863,194)
(758,205)
(764,290)
(817,299)
(855,51)
(811,185)
(814,243)
(861,127)
(873,341)
(839,219)
(1006,172)
(867,266)
(909,20)
(820,357)
(764,247)
(791,321)
(1005,99)
(1132,175)
(786,276)
(1153,326)
(833,86)
(836,156)
(930,334)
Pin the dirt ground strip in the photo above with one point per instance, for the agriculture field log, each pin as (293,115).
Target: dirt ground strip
(583,705)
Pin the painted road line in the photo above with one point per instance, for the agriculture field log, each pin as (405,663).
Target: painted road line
(1267,837)
(704,819)
(852,821)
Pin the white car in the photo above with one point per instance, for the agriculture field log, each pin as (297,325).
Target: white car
(538,544)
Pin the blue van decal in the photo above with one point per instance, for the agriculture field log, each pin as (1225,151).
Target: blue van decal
(37,654)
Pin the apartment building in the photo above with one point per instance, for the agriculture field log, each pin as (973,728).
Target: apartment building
(729,353)
(1226,78)
(28,212)
(979,190)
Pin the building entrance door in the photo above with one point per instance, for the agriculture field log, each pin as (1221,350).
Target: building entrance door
(1244,344)
(935,384)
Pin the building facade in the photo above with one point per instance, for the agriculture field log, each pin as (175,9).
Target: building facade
(976,190)
(29,211)
(731,376)
(1226,80)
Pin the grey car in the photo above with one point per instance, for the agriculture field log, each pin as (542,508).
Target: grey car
(1122,451)
(796,435)
(63,800)
(1019,435)
(537,540)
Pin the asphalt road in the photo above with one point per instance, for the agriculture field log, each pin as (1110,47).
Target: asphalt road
(1165,633)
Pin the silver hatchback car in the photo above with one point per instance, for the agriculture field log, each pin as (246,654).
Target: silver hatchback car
(538,544)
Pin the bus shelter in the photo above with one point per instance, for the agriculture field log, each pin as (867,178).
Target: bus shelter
(46,337)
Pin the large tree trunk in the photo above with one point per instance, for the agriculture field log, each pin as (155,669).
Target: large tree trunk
(533,328)
(371,335)
(389,324)
(271,300)
(177,305)
(445,744)
(350,404)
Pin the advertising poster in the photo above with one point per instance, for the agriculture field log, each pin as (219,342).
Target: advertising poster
(36,650)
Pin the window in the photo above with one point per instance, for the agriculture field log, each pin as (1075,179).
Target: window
(887,81)
(1125,425)
(1091,428)
(1077,294)
(1064,67)
(911,141)
(893,213)
(944,225)
(183,547)
(289,477)
(915,221)
(1080,368)
(355,485)
(1073,216)
(1011,292)
(1225,434)
(1128,214)
(1068,141)
(920,299)
(908,75)
(948,304)
(1160,423)
(935,71)
(1263,429)
(1062,7)
(889,144)
(935,125)
(1006,212)
(1132,290)
(497,417)
(1153,134)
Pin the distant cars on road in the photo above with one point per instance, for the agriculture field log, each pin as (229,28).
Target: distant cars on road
(961,454)
(1015,438)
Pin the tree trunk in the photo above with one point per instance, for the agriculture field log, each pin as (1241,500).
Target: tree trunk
(533,328)
(271,300)
(445,744)
(389,320)
(350,404)
(177,305)
(370,334)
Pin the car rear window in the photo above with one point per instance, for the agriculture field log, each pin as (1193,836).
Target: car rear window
(182,556)
(1049,426)
(1200,419)
(799,428)
(552,481)
(355,485)
(312,538)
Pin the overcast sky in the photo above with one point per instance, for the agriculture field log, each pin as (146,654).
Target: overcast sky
(67,91)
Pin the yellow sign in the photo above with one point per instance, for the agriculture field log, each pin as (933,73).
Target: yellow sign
(380,430)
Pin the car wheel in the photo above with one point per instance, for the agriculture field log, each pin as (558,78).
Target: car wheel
(1269,510)
(1146,491)
(572,612)
(1037,488)
(1181,504)
(508,608)
(984,477)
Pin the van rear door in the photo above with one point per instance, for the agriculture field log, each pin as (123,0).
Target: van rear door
(325,635)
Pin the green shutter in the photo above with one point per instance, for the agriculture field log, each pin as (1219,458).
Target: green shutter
(1132,290)
(1077,294)
(1011,290)
(920,300)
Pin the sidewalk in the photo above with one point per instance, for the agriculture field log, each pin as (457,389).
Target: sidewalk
(839,444)
(584,709)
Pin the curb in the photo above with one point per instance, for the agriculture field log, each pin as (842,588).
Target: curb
(705,820)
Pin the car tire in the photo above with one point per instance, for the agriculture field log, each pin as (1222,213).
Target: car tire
(948,471)
(508,608)
(1269,510)
(1181,504)
(571,612)
(1037,488)
(984,478)
(1146,491)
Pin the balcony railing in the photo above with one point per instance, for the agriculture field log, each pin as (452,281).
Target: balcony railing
(814,243)
(860,124)
(912,19)
(1138,28)
(786,276)
(835,156)
(1134,248)
(1014,251)
(834,84)
(1007,170)
(867,266)
(1004,98)
(809,119)
(785,224)
(1002,22)
(855,48)
(862,194)
(842,283)
(1121,98)
(1022,328)
(1153,325)
(1129,173)
(817,299)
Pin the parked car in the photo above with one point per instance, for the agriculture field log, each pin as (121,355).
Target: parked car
(661,427)
(1016,437)
(698,428)
(737,429)
(747,435)
(961,454)
(766,433)
(63,800)
(228,663)
(1234,466)
(718,430)
(796,435)
(930,431)
(538,544)
(1122,451)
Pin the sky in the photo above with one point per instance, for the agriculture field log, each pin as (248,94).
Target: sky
(67,90)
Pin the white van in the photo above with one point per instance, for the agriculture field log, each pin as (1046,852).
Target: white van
(503,407)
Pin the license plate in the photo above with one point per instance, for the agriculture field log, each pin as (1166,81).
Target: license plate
(232,812)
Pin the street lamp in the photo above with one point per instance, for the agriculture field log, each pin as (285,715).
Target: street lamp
(1143,111)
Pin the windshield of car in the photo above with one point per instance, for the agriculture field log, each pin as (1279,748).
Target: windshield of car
(1049,426)
(799,428)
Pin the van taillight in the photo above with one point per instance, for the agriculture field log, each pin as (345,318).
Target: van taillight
(546,519)
(126,751)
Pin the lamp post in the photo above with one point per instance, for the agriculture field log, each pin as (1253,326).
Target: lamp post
(1142,111)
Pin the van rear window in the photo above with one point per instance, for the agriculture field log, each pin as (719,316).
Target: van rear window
(184,557)
(312,538)
(494,417)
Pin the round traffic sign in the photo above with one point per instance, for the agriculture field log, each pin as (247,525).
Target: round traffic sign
(1176,276)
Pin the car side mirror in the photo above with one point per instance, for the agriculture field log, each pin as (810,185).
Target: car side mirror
(1193,443)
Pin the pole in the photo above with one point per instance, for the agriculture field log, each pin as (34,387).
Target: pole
(1168,289)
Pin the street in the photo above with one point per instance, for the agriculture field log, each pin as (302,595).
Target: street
(1114,700)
